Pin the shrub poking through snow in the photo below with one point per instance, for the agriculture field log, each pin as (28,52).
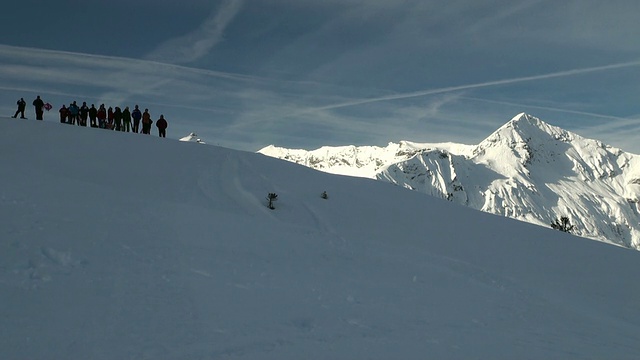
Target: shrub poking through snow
(272,197)
(562,224)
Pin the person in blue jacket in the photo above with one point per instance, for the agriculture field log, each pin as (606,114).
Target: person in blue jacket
(136,115)
(74,113)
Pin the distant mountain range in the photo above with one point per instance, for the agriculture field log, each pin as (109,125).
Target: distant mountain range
(526,170)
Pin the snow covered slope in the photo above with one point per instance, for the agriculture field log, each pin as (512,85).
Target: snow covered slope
(527,170)
(166,250)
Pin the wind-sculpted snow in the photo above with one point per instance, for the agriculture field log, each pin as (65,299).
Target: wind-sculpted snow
(527,170)
(126,246)
(192,137)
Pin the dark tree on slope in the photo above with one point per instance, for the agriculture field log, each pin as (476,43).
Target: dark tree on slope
(271,197)
(563,224)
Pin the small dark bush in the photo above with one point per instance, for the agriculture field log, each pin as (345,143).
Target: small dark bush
(272,197)
(563,224)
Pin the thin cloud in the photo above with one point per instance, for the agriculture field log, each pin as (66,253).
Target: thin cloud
(504,14)
(195,45)
(72,61)
(53,69)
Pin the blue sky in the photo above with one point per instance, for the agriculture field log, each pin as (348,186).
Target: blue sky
(302,74)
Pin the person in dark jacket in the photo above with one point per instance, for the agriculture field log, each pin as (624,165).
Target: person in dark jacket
(84,113)
(162,126)
(146,122)
(117,118)
(64,113)
(136,115)
(110,118)
(39,106)
(126,119)
(21,107)
(93,115)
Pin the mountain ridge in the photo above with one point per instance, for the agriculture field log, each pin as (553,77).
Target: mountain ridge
(527,169)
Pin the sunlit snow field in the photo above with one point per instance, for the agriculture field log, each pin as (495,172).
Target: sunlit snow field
(128,246)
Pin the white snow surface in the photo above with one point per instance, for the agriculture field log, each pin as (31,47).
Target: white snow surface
(527,170)
(128,246)
(192,137)
(360,161)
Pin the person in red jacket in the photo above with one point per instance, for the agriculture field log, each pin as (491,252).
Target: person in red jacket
(162,126)
(64,113)
(102,117)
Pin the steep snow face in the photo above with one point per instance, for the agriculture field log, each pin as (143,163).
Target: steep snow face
(548,172)
(531,171)
(519,143)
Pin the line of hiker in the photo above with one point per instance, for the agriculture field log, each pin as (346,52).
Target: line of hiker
(112,119)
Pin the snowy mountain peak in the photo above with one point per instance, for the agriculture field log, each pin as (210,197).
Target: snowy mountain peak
(524,131)
(527,169)
(524,119)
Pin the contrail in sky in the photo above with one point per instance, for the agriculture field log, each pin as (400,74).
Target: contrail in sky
(549,108)
(472,86)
